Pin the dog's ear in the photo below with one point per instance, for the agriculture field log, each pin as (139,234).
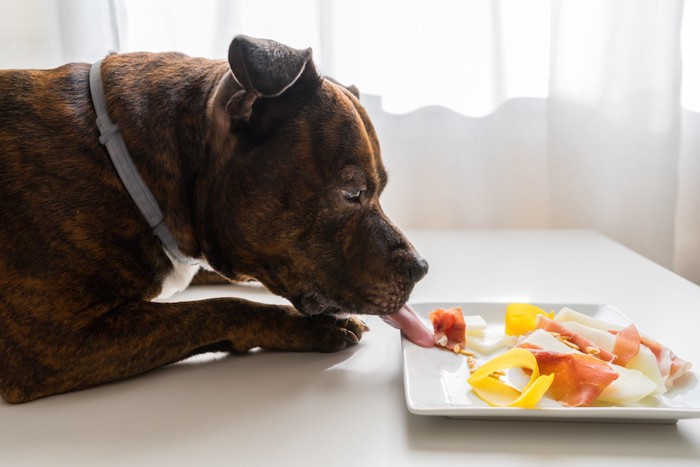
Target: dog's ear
(264,68)
(352,88)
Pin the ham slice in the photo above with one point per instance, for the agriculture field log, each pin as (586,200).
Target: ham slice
(578,378)
(449,327)
(679,367)
(626,345)
(671,366)
(630,385)
(581,342)
(627,349)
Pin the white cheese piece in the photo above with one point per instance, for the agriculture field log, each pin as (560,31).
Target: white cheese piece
(545,341)
(485,345)
(491,340)
(476,325)
(603,339)
(567,314)
(630,386)
(646,362)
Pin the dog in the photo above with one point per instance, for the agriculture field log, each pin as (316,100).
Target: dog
(262,168)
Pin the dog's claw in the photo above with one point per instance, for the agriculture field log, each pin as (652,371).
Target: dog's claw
(351,337)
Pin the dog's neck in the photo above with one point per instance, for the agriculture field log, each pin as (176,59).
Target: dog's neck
(112,139)
(170,157)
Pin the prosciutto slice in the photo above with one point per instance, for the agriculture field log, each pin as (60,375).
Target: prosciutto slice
(679,367)
(626,345)
(583,344)
(578,378)
(449,327)
(671,366)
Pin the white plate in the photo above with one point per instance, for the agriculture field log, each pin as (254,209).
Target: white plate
(435,380)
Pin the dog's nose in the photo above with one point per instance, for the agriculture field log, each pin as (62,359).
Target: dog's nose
(417,269)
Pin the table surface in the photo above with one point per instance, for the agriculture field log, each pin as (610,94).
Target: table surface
(348,408)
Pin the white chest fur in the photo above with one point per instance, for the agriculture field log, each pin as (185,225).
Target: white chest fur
(179,278)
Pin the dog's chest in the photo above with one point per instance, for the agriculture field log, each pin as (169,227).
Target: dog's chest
(178,279)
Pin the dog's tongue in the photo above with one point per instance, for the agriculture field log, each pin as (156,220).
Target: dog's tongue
(411,326)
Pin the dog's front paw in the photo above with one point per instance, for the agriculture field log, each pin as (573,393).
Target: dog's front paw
(277,327)
(330,334)
(319,333)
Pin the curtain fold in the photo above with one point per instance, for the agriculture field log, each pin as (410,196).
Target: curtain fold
(686,259)
(491,113)
(614,120)
(49,33)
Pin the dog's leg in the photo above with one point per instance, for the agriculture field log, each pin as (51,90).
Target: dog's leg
(141,336)
(208,278)
(204,277)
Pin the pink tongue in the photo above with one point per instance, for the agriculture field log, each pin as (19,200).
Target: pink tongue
(411,326)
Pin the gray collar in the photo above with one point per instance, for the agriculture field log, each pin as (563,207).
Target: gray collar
(111,137)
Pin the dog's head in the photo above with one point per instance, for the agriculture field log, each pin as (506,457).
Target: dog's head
(294,201)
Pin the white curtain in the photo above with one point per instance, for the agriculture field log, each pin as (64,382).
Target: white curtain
(491,114)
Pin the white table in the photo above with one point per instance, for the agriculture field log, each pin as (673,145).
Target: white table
(348,408)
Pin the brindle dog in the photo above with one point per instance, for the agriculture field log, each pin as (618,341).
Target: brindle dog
(262,168)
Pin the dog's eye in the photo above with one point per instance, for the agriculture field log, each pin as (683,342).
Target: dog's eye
(352,195)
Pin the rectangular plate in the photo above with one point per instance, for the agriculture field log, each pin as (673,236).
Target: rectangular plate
(435,380)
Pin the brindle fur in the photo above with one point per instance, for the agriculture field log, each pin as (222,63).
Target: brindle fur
(249,182)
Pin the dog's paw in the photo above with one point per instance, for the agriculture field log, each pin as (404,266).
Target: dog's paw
(286,329)
(331,334)
(323,333)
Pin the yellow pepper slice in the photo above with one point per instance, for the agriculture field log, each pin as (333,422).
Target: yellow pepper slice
(522,317)
(495,392)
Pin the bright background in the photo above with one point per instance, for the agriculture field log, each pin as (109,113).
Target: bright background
(491,114)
